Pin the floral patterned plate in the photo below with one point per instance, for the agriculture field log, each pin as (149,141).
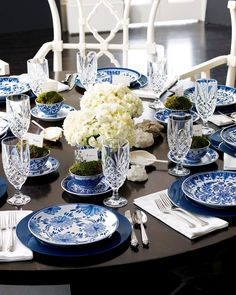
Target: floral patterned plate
(65,109)
(106,74)
(70,185)
(162,116)
(215,189)
(73,224)
(51,165)
(225,95)
(12,85)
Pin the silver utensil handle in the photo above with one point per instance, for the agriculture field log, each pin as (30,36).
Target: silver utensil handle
(134,240)
(182,218)
(144,235)
(197,219)
(11,245)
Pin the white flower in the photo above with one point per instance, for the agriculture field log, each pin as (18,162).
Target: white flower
(89,126)
(108,93)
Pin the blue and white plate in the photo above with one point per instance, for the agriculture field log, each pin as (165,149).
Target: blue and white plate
(162,115)
(210,157)
(51,165)
(73,224)
(70,185)
(12,85)
(4,123)
(118,238)
(228,135)
(218,143)
(225,95)
(215,189)
(65,109)
(181,200)
(106,74)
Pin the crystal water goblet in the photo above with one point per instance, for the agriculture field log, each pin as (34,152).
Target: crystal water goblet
(205,101)
(157,76)
(115,164)
(38,74)
(18,111)
(16,160)
(179,137)
(87,68)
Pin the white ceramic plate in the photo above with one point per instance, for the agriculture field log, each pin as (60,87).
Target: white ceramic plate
(73,224)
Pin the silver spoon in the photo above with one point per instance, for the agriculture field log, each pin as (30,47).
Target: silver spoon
(140,217)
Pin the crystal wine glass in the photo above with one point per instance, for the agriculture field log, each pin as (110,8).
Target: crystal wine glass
(87,68)
(18,111)
(38,74)
(115,163)
(157,74)
(179,136)
(205,101)
(16,159)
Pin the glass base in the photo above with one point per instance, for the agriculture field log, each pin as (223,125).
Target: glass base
(19,200)
(207,130)
(115,202)
(156,105)
(178,172)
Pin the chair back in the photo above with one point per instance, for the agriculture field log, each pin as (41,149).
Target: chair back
(102,45)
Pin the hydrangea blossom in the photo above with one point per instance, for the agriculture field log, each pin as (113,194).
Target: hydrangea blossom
(87,127)
(108,93)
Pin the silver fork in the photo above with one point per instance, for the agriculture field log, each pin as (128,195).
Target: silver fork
(163,208)
(12,225)
(2,228)
(166,200)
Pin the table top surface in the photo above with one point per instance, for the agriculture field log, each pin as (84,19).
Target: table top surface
(164,241)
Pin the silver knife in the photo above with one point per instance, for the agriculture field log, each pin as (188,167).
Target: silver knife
(134,240)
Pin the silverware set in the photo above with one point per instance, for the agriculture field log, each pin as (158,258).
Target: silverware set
(165,205)
(138,217)
(8,222)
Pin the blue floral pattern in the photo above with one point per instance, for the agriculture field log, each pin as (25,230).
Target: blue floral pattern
(73,224)
(214,189)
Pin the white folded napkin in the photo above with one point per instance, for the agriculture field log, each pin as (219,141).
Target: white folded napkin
(21,252)
(229,162)
(51,84)
(147,92)
(148,204)
(220,120)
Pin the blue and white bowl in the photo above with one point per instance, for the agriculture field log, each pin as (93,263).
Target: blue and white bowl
(49,109)
(36,164)
(195,155)
(87,181)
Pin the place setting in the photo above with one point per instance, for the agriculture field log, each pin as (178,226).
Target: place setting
(77,236)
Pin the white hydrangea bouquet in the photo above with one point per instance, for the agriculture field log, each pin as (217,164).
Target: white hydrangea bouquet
(87,127)
(109,93)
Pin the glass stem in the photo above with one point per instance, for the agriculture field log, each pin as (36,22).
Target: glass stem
(115,194)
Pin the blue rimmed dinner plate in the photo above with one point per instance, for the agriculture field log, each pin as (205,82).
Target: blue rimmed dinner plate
(225,95)
(210,157)
(228,135)
(65,109)
(106,74)
(141,82)
(218,143)
(215,189)
(181,200)
(73,224)
(51,166)
(162,115)
(12,85)
(70,185)
(119,237)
